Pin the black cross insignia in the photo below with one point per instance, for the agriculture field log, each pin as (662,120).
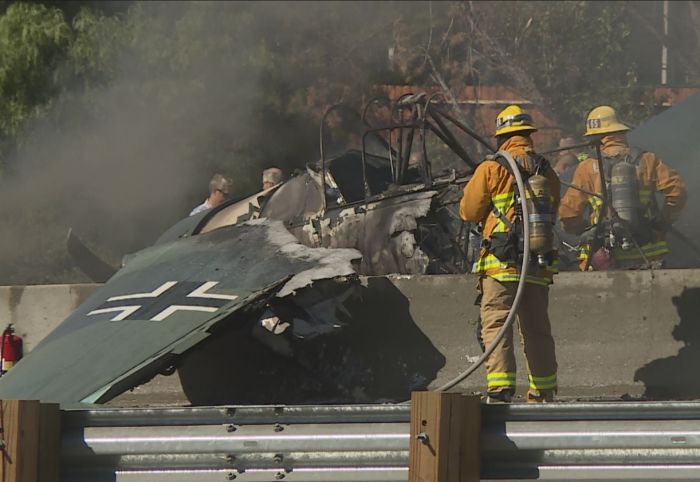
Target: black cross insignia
(167,299)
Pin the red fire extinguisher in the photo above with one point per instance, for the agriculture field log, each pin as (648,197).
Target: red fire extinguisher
(10,349)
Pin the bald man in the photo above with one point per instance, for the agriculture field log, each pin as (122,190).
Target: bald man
(271,177)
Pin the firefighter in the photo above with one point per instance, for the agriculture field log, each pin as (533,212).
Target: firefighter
(567,160)
(490,199)
(628,233)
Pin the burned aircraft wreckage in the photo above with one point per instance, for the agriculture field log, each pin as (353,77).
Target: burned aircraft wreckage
(377,191)
(248,313)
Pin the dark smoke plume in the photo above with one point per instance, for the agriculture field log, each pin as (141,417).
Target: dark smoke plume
(195,88)
(125,163)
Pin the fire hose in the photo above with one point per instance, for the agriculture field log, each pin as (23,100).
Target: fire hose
(521,282)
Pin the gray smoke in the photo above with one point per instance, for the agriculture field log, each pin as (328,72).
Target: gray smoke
(200,87)
(123,165)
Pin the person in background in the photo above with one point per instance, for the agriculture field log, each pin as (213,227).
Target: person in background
(565,165)
(219,191)
(271,177)
(567,161)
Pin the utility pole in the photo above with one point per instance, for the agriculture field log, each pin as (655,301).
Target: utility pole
(664,48)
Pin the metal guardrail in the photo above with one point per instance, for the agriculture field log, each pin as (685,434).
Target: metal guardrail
(563,441)
(309,443)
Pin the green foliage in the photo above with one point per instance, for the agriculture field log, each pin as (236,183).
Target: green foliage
(33,42)
(94,53)
(565,56)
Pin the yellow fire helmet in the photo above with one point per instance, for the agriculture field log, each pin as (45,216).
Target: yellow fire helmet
(513,119)
(603,120)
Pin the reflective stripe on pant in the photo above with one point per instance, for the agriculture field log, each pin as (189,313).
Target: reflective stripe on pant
(535,332)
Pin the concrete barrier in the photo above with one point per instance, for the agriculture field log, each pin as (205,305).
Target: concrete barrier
(617,333)
(36,310)
(634,333)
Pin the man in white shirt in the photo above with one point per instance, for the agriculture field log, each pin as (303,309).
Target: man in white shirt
(219,190)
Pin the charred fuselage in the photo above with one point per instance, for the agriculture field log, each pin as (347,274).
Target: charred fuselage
(380,193)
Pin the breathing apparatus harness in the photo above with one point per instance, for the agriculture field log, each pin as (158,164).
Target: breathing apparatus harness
(524,265)
(628,222)
(620,224)
(508,246)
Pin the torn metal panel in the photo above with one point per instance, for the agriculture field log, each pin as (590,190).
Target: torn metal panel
(88,262)
(380,355)
(169,298)
(327,263)
(297,199)
(183,228)
(385,233)
(399,228)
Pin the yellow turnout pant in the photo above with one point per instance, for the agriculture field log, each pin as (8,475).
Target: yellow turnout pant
(535,332)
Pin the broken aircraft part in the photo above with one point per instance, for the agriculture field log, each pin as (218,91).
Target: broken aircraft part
(171,296)
(386,192)
(88,262)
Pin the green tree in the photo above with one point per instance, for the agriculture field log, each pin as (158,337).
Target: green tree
(566,57)
(33,40)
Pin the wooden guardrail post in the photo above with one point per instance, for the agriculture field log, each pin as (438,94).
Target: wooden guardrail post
(445,437)
(21,428)
(49,442)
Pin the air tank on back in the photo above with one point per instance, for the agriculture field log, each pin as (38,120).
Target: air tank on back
(539,206)
(624,191)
